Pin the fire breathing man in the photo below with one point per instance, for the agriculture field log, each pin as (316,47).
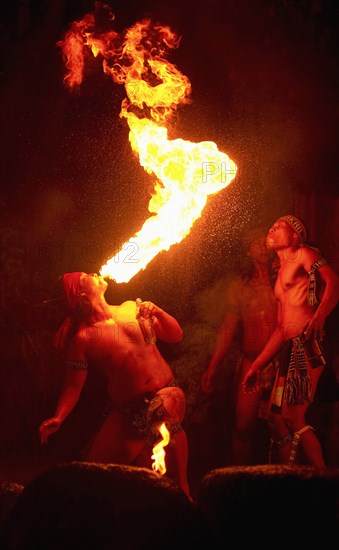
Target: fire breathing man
(140,383)
(307,291)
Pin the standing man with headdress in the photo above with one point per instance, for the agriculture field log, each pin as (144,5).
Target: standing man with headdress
(140,384)
(307,291)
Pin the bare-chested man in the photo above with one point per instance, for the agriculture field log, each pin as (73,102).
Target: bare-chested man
(140,382)
(250,304)
(307,291)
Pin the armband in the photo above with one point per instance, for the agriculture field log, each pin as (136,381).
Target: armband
(312,297)
(77,365)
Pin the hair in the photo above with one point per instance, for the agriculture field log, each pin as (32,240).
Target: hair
(249,236)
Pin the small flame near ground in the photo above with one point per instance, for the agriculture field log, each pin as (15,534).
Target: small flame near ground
(158,456)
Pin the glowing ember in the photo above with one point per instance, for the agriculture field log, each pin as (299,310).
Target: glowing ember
(186,172)
(158,451)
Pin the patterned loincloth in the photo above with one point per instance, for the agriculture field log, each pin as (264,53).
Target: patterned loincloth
(147,412)
(296,356)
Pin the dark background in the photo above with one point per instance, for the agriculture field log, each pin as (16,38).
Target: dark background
(264,81)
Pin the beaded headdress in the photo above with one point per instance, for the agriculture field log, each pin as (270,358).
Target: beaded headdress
(296,225)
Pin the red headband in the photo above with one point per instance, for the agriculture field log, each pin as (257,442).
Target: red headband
(71,282)
(296,225)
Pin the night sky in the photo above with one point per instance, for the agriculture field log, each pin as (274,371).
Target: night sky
(264,85)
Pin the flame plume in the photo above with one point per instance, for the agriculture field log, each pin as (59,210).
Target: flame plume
(158,456)
(186,173)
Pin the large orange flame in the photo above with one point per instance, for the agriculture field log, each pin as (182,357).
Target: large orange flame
(158,456)
(186,172)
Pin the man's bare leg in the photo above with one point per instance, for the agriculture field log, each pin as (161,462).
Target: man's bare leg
(312,449)
(177,460)
(173,400)
(295,418)
(116,441)
(247,406)
(246,418)
(281,438)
